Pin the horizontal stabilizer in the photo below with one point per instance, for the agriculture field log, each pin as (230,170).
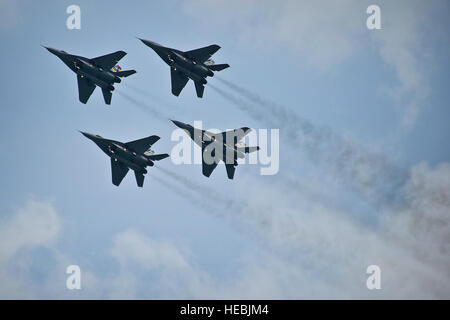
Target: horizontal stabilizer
(251,149)
(157,157)
(218,67)
(125,73)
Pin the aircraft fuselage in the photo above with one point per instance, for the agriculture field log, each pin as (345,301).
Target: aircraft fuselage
(130,158)
(85,69)
(230,149)
(193,70)
(102,78)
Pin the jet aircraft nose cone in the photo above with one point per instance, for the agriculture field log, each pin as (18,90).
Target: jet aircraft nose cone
(151,44)
(54,51)
(179,124)
(88,135)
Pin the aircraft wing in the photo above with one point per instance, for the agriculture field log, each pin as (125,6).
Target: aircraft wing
(142,145)
(207,169)
(110,60)
(179,80)
(119,171)
(202,54)
(238,133)
(85,89)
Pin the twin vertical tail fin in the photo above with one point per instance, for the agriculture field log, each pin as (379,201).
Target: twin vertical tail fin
(140,174)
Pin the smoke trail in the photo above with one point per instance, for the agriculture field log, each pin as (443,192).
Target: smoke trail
(243,105)
(249,95)
(207,195)
(136,89)
(368,173)
(214,208)
(179,190)
(145,107)
(154,97)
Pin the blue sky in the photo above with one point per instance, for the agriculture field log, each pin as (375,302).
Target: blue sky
(308,232)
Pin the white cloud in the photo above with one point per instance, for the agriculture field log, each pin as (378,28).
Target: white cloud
(410,243)
(325,33)
(10,13)
(309,250)
(36,224)
(32,226)
(131,247)
(401,44)
(312,250)
(322,33)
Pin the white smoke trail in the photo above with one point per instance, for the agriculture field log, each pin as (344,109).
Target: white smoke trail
(154,97)
(371,174)
(146,107)
(207,195)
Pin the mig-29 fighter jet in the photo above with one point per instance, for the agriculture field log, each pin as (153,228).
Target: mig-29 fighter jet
(101,71)
(194,64)
(226,146)
(135,155)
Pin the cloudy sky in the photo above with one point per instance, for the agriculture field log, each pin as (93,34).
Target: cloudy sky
(364,174)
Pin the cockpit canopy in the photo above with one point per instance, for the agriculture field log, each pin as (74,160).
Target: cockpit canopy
(149,152)
(209,62)
(240,144)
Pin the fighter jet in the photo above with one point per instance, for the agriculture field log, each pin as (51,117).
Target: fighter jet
(135,155)
(226,146)
(101,71)
(194,64)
